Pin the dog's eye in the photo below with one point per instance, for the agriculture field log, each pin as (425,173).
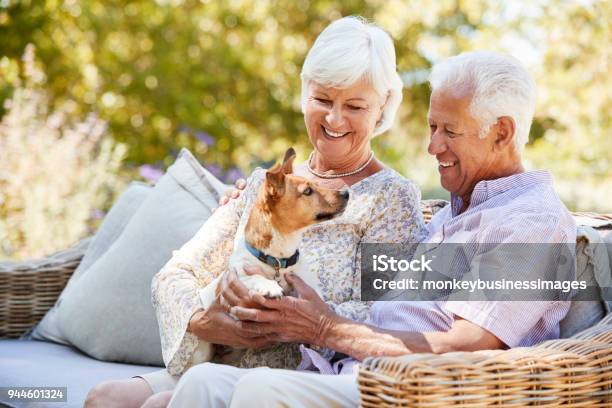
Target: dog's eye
(307,191)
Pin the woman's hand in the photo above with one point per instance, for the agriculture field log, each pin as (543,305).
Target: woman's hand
(302,319)
(234,293)
(216,326)
(240,185)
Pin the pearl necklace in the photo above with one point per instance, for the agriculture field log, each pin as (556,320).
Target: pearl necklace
(332,176)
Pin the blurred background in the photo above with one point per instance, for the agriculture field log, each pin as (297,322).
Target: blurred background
(94,94)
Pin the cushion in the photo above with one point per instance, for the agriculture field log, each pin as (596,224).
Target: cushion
(591,266)
(110,229)
(108,312)
(37,363)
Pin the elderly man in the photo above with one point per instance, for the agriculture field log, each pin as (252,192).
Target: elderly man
(480,113)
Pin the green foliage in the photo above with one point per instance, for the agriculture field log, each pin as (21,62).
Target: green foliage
(160,72)
(576,102)
(222,77)
(56,170)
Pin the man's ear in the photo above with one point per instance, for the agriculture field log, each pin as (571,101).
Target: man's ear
(287,166)
(275,180)
(505,132)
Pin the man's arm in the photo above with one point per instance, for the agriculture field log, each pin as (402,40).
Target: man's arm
(308,319)
(360,340)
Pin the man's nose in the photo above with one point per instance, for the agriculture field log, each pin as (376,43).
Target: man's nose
(437,144)
(334,117)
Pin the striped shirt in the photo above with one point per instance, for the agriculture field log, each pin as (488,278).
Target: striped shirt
(522,208)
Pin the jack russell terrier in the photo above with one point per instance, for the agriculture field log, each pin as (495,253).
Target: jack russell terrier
(286,205)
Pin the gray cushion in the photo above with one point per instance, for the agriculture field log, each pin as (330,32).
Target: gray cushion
(37,363)
(112,226)
(108,313)
(591,266)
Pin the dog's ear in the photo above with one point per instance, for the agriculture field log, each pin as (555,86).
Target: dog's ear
(287,165)
(275,180)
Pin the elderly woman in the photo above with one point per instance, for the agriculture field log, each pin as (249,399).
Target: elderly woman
(350,93)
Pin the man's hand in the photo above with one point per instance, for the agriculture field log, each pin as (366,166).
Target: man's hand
(216,326)
(240,185)
(302,319)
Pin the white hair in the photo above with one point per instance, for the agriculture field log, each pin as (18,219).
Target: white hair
(351,49)
(500,84)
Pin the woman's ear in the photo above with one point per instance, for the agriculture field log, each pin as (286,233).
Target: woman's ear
(505,132)
(382,109)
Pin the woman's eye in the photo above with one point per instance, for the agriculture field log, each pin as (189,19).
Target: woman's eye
(307,191)
(320,100)
(353,107)
(432,128)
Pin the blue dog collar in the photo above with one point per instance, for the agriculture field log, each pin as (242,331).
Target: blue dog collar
(276,263)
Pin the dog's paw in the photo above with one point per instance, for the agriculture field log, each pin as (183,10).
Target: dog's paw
(265,287)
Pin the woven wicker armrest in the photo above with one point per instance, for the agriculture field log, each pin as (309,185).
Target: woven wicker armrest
(28,289)
(574,372)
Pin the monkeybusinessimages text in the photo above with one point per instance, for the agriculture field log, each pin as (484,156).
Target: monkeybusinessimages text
(385,263)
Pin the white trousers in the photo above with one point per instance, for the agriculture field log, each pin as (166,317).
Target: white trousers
(218,385)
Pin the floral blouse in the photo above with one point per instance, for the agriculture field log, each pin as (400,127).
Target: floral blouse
(383,207)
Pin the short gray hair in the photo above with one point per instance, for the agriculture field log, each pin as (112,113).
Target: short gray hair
(500,84)
(351,49)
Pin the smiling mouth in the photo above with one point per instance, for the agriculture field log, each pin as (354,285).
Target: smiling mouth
(333,135)
(446,164)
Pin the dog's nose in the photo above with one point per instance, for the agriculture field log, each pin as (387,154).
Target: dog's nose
(345,194)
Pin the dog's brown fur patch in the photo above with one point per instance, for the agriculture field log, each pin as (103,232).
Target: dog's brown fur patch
(258,231)
(283,205)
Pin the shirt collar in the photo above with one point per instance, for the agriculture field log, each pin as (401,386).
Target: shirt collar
(487,189)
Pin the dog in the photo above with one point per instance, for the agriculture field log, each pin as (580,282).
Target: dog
(285,206)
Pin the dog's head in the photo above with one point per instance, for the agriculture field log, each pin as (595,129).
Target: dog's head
(296,202)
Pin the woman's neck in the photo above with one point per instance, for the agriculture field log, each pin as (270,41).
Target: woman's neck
(341,182)
(325,164)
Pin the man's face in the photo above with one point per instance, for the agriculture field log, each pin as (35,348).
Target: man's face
(463,158)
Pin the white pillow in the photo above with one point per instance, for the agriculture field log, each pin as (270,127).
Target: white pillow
(110,229)
(108,312)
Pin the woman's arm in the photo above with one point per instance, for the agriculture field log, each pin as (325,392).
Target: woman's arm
(175,287)
(216,326)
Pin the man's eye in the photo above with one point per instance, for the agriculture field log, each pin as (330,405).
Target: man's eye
(432,128)
(307,191)
(324,101)
(353,107)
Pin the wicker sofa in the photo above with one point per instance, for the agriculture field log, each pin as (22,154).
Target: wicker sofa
(27,290)
(574,372)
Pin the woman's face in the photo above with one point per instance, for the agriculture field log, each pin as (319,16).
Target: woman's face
(340,122)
